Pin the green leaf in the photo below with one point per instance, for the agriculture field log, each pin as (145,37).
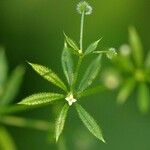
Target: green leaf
(41,98)
(6,141)
(92,47)
(67,64)
(49,75)
(136,46)
(143,98)
(11,109)
(147,62)
(125,90)
(3,67)
(26,123)
(12,85)
(90,74)
(72,44)
(61,121)
(89,122)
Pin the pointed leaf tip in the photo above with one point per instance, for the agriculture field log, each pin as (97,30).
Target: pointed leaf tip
(89,122)
(72,44)
(49,75)
(41,98)
(12,85)
(136,46)
(67,64)
(92,47)
(60,122)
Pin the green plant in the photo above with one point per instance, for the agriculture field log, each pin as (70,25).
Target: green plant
(8,91)
(74,91)
(134,69)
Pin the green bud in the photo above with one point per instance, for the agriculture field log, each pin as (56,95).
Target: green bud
(111,79)
(125,50)
(84,7)
(111,53)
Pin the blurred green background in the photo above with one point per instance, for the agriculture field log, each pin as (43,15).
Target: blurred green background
(32,30)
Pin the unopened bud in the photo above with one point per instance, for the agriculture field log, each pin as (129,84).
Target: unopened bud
(111,79)
(125,50)
(84,7)
(111,53)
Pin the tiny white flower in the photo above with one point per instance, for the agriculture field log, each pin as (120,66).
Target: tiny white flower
(70,99)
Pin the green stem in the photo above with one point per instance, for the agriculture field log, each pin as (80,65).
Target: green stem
(28,123)
(81,55)
(81,31)
(100,52)
(77,72)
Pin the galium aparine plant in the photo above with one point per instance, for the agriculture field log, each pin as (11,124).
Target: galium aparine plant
(73,91)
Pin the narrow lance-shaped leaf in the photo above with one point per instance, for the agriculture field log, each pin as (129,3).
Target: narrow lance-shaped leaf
(67,64)
(90,74)
(61,121)
(136,46)
(147,62)
(26,123)
(3,68)
(143,98)
(49,75)
(41,98)
(10,109)
(126,90)
(92,47)
(89,122)
(72,44)
(12,85)
(6,141)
